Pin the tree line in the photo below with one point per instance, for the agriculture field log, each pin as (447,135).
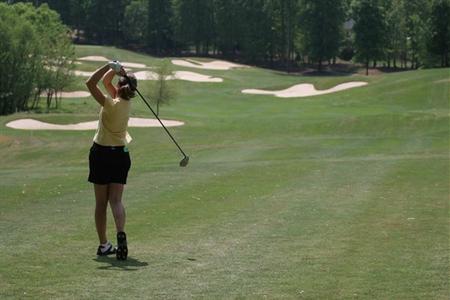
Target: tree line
(397,33)
(36,55)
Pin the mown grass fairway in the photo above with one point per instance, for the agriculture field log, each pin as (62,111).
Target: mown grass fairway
(340,196)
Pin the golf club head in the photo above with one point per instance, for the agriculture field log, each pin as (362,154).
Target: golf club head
(184,161)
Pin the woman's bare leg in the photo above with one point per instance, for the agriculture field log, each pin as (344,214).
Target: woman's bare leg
(115,191)
(101,204)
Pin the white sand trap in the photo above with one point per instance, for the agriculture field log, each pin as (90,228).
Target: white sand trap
(305,90)
(87,74)
(30,124)
(145,75)
(94,58)
(83,73)
(213,65)
(76,94)
(126,64)
(133,65)
(195,77)
(180,75)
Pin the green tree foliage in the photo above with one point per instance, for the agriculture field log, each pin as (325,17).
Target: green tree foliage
(105,21)
(439,39)
(228,26)
(37,53)
(283,20)
(194,24)
(405,33)
(78,16)
(369,31)
(136,22)
(416,16)
(255,42)
(322,27)
(160,28)
(395,43)
(288,23)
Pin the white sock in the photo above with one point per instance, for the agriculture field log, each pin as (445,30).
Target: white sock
(105,246)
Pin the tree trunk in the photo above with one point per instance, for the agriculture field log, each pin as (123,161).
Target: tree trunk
(197,48)
(35,99)
(157,107)
(49,100)
(58,100)
(367,67)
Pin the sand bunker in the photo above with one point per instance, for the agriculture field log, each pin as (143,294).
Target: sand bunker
(305,90)
(126,64)
(94,58)
(145,75)
(133,65)
(88,74)
(83,73)
(30,124)
(195,77)
(76,94)
(180,75)
(213,65)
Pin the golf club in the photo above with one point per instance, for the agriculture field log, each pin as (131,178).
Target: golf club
(185,160)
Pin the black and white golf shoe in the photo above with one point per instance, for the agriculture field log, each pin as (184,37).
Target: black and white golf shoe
(122,249)
(106,250)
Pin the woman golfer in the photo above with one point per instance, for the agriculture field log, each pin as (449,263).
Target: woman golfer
(109,160)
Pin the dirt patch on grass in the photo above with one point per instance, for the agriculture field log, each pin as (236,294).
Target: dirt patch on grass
(5,139)
(447,80)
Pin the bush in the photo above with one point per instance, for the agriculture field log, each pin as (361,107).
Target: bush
(161,90)
(36,55)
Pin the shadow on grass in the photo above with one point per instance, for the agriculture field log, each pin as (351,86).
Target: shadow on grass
(111,263)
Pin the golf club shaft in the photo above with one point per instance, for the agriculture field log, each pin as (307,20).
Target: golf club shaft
(148,105)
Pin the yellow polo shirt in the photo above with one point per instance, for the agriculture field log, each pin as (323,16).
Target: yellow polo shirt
(113,123)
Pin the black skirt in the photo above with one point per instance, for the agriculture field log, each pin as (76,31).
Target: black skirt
(108,164)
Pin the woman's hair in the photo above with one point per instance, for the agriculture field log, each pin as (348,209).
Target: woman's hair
(127,86)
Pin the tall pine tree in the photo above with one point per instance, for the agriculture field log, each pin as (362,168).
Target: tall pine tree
(159,26)
(228,24)
(194,24)
(439,41)
(369,31)
(322,27)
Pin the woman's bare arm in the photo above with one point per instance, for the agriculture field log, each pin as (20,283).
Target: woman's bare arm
(107,83)
(92,82)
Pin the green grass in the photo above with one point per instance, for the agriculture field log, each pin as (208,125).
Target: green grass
(339,196)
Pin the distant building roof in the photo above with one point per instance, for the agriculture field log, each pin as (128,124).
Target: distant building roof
(348,25)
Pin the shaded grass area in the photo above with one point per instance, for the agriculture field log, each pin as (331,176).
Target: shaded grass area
(337,196)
